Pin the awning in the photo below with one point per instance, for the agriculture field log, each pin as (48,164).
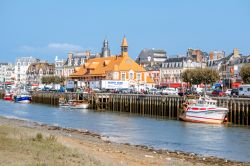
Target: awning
(236,84)
(171,85)
(175,85)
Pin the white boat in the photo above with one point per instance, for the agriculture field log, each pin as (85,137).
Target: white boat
(63,103)
(204,110)
(78,104)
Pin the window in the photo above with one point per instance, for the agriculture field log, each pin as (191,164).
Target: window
(241,89)
(123,76)
(248,89)
(115,75)
(131,75)
(138,76)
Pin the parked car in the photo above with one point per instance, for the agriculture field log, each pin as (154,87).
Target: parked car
(199,90)
(124,90)
(209,92)
(218,93)
(170,91)
(96,90)
(235,92)
(228,92)
(153,91)
(244,90)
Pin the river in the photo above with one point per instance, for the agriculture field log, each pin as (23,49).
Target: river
(229,142)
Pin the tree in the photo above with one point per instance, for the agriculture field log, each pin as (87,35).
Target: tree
(245,73)
(200,75)
(52,79)
(186,76)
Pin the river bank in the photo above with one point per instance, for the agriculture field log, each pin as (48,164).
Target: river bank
(82,147)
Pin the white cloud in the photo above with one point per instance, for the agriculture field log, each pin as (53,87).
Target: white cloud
(64,46)
(51,48)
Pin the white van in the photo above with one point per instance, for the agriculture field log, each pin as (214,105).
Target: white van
(244,90)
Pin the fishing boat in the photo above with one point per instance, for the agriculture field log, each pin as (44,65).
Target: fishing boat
(78,104)
(63,103)
(8,97)
(23,98)
(203,110)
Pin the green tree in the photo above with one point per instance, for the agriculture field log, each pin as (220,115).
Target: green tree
(200,75)
(186,76)
(245,73)
(52,79)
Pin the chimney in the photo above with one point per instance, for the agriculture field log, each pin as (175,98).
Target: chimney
(211,56)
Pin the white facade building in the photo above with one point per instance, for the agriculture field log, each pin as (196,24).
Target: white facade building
(6,72)
(21,67)
(172,69)
(74,60)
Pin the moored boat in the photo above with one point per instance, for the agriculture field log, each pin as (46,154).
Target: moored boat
(8,97)
(74,104)
(203,110)
(63,103)
(23,98)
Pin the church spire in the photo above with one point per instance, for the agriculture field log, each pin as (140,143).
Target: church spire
(124,47)
(105,49)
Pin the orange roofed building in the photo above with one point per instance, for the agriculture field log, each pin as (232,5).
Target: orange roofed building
(118,71)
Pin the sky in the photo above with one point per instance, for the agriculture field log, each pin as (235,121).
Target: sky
(48,28)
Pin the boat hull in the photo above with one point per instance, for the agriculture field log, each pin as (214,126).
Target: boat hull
(8,98)
(80,106)
(23,99)
(211,117)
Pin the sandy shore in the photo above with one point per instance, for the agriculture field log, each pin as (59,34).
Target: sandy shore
(96,150)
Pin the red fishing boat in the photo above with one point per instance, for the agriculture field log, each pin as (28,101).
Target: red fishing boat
(8,97)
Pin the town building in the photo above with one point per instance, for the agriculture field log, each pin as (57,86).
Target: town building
(172,68)
(232,66)
(216,55)
(38,70)
(66,67)
(6,73)
(197,55)
(216,60)
(151,57)
(21,67)
(153,72)
(117,71)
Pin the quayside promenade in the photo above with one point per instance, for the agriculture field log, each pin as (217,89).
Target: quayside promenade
(162,106)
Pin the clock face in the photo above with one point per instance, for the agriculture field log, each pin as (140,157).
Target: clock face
(149,58)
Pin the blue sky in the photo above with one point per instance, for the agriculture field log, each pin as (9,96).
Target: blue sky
(49,28)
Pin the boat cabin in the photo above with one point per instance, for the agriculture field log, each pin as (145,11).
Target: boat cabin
(206,102)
